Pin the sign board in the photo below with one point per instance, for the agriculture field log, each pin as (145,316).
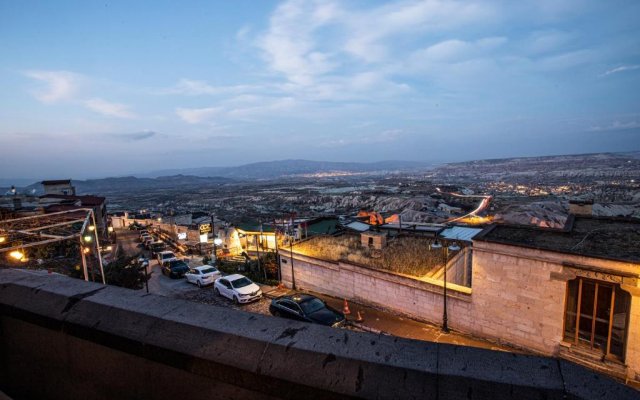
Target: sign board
(182,236)
(204,238)
(205,229)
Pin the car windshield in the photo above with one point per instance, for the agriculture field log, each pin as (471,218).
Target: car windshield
(240,283)
(170,255)
(311,306)
(208,270)
(179,264)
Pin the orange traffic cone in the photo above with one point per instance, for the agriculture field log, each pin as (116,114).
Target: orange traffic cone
(359,319)
(345,309)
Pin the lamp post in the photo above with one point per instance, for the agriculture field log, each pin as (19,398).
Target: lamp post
(216,242)
(452,247)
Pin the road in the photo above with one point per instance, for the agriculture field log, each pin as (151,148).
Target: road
(484,203)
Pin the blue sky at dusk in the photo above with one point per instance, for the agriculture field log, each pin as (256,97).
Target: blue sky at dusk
(110,88)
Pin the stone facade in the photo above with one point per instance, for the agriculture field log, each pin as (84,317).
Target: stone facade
(518,294)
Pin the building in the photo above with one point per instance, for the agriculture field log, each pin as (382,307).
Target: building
(571,293)
(58,202)
(59,187)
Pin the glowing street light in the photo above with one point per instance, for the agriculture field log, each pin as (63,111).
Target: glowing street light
(17,254)
(92,228)
(110,229)
(3,239)
(87,238)
(85,250)
(453,247)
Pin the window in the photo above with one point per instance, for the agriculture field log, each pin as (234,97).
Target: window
(290,305)
(596,316)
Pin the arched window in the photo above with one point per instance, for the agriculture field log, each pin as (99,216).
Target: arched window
(596,316)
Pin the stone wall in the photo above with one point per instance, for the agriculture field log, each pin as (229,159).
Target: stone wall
(68,339)
(517,298)
(419,299)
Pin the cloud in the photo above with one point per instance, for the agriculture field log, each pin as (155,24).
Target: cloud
(58,85)
(136,136)
(387,136)
(289,46)
(371,31)
(110,109)
(192,87)
(197,115)
(615,126)
(621,69)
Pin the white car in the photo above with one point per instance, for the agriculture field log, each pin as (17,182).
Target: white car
(203,275)
(166,256)
(238,288)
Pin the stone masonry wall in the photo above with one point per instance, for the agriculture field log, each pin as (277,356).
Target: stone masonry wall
(517,297)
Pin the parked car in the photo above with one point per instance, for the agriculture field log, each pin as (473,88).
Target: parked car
(203,275)
(143,261)
(304,307)
(175,268)
(238,288)
(166,256)
(157,247)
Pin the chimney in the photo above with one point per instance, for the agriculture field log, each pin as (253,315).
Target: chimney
(373,240)
(581,207)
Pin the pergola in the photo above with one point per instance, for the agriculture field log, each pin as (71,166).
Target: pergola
(79,224)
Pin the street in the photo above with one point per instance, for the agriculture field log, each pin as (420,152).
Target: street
(372,319)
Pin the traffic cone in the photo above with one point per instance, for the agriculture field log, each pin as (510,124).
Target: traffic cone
(345,309)
(359,319)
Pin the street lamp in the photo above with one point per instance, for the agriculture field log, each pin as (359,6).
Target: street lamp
(216,242)
(453,247)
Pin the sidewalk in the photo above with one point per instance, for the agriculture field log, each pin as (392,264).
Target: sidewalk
(385,322)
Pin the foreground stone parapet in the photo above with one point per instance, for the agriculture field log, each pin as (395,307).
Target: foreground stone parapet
(68,339)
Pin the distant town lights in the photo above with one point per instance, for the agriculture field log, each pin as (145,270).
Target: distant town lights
(110,229)
(85,250)
(92,228)
(87,238)
(3,239)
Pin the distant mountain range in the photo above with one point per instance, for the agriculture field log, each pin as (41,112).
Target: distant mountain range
(293,168)
(122,184)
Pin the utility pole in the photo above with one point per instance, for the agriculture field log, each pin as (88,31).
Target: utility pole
(214,257)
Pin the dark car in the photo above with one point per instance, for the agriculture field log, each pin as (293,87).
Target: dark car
(175,269)
(304,307)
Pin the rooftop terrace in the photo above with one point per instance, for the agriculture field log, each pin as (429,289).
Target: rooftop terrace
(403,254)
(607,238)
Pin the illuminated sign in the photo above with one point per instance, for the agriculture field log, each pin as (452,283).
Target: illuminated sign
(203,238)
(182,236)
(205,228)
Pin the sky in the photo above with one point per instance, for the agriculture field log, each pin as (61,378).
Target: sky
(93,89)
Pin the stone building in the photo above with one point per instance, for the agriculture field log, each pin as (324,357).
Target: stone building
(571,293)
(59,187)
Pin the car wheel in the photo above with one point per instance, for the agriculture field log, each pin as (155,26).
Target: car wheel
(199,284)
(235,300)
(216,291)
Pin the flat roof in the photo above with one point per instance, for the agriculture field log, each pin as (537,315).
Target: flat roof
(607,238)
(460,233)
